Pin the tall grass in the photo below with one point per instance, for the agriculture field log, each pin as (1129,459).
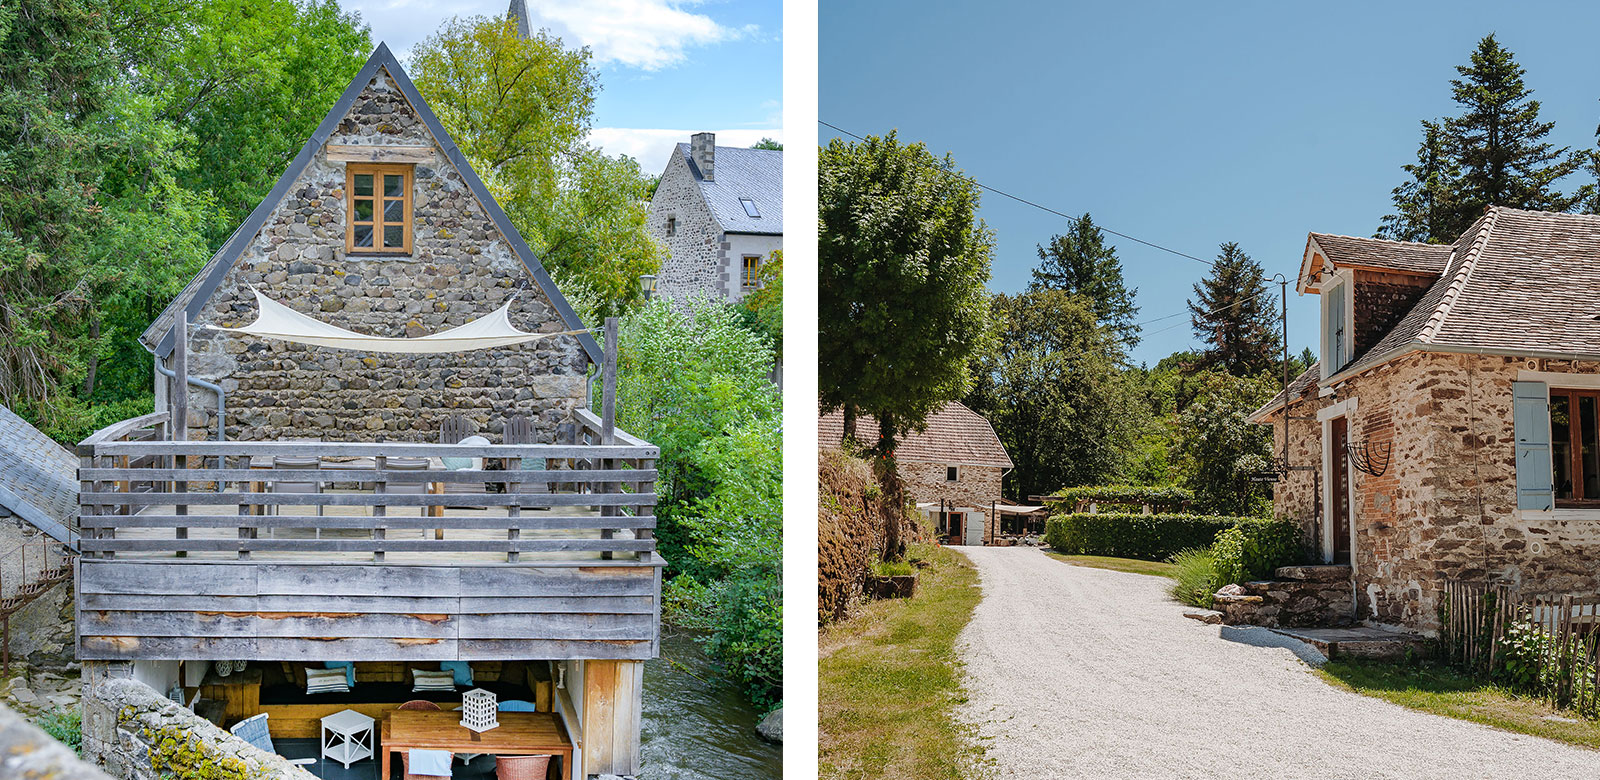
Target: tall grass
(1195,576)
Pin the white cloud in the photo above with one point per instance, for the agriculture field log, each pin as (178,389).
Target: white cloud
(652,148)
(647,34)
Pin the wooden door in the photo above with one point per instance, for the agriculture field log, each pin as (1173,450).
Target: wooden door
(1340,486)
(955,528)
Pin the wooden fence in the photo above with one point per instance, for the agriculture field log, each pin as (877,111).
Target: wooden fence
(1547,642)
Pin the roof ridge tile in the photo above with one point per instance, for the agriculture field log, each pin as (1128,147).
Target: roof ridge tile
(1462,275)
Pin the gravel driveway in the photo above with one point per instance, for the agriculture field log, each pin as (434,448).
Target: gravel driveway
(1078,672)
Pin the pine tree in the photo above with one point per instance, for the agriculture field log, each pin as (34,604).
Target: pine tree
(1233,313)
(1080,263)
(1424,204)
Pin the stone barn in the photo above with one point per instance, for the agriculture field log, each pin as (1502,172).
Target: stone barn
(1450,430)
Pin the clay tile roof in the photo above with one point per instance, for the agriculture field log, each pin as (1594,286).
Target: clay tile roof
(955,435)
(1403,256)
(1518,282)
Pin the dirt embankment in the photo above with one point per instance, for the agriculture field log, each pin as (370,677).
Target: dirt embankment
(855,517)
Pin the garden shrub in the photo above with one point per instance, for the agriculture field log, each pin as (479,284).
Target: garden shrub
(1123,495)
(1146,537)
(1195,577)
(1254,547)
(65,725)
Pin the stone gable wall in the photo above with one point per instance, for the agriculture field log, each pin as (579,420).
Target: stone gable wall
(696,250)
(1380,301)
(977,487)
(461,268)
(1446,507)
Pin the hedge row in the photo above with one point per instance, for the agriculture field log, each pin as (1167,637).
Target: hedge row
(1126,495)
(1158,537)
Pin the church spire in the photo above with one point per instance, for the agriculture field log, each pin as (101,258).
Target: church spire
(518,12)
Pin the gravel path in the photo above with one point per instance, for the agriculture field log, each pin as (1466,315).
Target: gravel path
(1079,672)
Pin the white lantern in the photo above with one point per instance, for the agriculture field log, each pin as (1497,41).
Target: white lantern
(478,710)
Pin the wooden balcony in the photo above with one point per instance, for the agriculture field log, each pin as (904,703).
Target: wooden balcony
(191,550)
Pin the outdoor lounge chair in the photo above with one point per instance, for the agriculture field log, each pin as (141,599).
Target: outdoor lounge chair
(520,431)
(281,462)
(254,730)
(459,430)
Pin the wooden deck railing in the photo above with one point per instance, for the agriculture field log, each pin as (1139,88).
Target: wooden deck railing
(141,494)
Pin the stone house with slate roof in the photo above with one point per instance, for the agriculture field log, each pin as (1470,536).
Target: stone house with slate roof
(952,469)
(38,529)
(719,212)
(1451,430)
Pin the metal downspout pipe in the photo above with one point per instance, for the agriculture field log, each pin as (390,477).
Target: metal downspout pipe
(222,396)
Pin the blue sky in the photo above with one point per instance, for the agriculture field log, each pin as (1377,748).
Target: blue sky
(1186,124)
(668,68)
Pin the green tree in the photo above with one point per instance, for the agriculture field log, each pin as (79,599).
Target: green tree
(1080,262)
(1219,447)
(768,144)
(1233,313)
(1054,392)
(1427,203)
(903,260)
(763,309)
(520,109)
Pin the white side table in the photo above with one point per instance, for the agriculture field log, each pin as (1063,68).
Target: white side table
(347,737)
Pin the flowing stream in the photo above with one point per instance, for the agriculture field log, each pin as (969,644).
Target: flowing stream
(697,724)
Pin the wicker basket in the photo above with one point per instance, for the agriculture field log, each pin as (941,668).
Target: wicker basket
(521,767)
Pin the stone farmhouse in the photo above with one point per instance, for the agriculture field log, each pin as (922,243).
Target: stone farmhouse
(719,212)
(1449,432)
(952,469)
(459,507)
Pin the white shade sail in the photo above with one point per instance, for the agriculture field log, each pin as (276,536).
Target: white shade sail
(277,321)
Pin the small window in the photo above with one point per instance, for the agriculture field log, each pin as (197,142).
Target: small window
(750,277)
(750,209)
(672,226)
(378,208)
(952,473)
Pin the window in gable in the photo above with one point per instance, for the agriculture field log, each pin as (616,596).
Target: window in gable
(952,473)
(750,209)
(377,208)
(672,226)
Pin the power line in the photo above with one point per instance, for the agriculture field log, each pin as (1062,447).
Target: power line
(1044,208)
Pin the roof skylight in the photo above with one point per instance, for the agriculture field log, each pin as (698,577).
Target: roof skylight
(750,207)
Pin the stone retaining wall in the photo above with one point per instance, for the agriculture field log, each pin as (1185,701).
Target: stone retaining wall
(135,733)
(1300,597)
(26,751)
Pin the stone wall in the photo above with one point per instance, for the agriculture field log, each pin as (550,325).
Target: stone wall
(1297,597)
(1380,301)
(134,733)
(850,530)
(977,487)
(696,248)
(28,752)
(1297,495)
(1446,506)
(460,268)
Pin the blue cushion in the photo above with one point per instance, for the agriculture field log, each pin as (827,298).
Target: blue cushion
(461,669)
(457,464)
(515,705)
(349,670)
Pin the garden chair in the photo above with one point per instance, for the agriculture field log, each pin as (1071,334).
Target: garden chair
(459,430)
(287,462)
(521,767)
(254,731)
(405,755)
(520,431)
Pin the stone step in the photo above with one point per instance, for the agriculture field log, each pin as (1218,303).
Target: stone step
(1318,573)
(1359,642)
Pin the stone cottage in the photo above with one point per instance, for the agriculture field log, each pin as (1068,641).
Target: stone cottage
(952,469)
(719,212)
(378,226)
(1449,432)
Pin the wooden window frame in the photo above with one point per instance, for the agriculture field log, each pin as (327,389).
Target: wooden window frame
(1575,443)
(751,281)
(378,171)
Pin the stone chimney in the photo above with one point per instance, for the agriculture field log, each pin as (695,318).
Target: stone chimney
(703,150)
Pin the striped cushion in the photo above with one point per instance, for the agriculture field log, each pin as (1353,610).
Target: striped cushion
(432,680)
(326,681)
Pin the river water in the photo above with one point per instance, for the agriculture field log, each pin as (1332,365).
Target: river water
(697,725)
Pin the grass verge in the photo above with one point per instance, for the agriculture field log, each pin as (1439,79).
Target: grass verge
(1132,565)
(889,681)
(1445,691)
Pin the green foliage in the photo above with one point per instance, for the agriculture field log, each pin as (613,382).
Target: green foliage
(1493,154)
(1253,548)
(520,109)
(1220,447)
(1233,314)
(893,568)
(1195,577)
(762,310)
(768,144)
(903,260)
(1053,389)
(65,725)
(1080,263)
(1159,497)
(693,382)
(1145,537)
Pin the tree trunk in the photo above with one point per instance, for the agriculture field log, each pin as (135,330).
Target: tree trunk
(849,413)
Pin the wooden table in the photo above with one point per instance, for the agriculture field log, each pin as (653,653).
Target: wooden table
(519,734)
